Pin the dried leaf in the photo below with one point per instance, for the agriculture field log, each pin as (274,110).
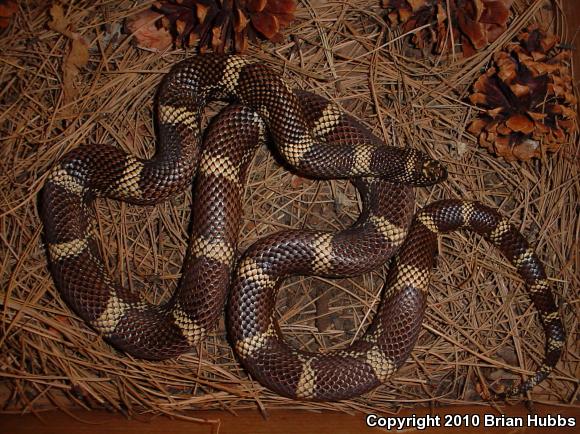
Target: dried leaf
(77,58)
(59,23)
(146,33)
(78,55)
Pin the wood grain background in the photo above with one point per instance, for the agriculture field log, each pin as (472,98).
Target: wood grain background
(279,421)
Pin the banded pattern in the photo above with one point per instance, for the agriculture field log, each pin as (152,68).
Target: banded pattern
(139,328)
(89,172)
(316,139)
(449,215)
(391,336)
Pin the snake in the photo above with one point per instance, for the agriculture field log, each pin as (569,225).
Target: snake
(315,138)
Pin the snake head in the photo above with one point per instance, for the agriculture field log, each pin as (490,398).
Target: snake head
(413,167)
(432,172)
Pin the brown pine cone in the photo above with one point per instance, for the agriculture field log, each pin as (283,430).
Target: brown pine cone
(473,23)
(225,25)
(527,97)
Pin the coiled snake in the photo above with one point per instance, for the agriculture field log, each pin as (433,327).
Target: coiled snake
(316,139)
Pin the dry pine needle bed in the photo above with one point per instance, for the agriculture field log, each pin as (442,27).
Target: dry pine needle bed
(479,330)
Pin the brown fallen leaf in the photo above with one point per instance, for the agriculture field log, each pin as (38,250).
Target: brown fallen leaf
(78,55)
(146,33)
(59,23)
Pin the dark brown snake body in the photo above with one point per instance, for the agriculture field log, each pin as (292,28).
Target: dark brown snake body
(316,139)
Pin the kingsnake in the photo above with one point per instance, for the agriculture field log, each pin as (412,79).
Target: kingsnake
(316,139)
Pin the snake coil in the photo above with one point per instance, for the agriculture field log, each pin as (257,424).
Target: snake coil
(315,138)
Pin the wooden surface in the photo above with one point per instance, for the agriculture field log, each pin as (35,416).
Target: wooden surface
(282,421)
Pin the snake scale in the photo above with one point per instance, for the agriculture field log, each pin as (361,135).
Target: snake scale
(316,139)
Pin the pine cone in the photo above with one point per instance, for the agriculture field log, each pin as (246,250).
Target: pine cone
(528,98)
(225,25)
(474,23)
